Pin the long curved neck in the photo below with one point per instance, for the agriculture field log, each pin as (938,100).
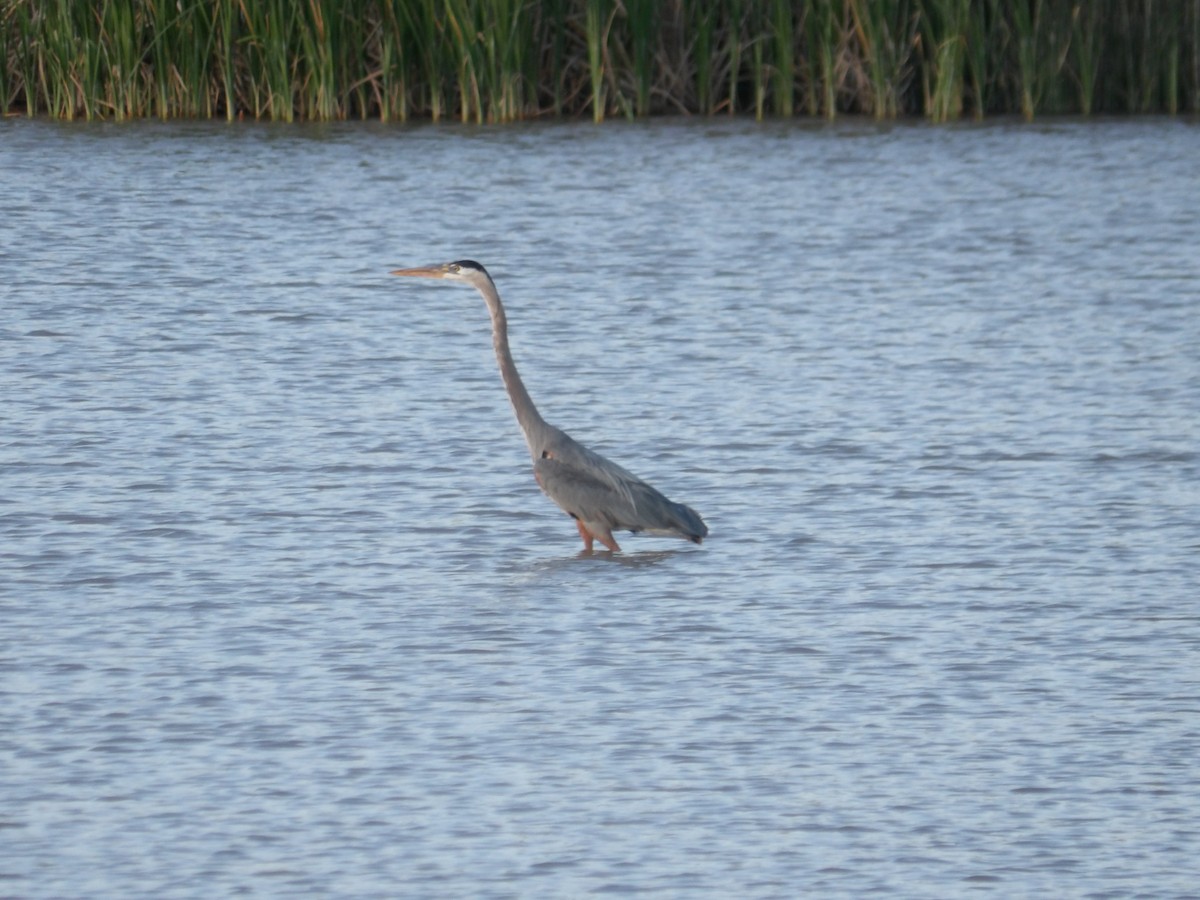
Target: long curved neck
(528,417)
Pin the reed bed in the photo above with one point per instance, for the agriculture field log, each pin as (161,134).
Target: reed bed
(506,60)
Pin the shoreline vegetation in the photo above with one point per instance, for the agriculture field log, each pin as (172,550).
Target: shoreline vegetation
(511,60)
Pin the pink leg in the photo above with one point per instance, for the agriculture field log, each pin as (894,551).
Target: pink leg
(586,535)
(607,540)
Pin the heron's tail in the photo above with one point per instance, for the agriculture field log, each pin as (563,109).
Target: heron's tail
(688,523)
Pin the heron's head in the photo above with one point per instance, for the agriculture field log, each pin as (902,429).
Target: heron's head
(465,270)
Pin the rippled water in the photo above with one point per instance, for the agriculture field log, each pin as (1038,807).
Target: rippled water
(283,611)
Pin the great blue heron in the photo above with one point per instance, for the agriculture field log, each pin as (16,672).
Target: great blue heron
(598,494)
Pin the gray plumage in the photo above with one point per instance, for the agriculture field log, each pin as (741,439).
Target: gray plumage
(598,494)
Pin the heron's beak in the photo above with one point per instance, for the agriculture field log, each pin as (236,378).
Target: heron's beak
(422,272)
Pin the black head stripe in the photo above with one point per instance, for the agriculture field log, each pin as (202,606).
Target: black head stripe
(470,264)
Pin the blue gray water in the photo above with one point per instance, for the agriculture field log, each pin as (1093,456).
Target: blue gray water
(284,613)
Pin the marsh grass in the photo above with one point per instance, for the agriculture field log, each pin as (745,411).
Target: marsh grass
(505,60)
(782,46)
(824,33)
(885,34)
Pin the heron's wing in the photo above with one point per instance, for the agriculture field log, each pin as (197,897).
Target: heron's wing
(597,491)
(584,494)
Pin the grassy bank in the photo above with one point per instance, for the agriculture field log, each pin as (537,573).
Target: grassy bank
(504,60)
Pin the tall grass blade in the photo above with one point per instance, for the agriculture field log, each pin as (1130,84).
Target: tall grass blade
(598,18)
(643,34)
(783,48)
(823,35)
(886,35)
(944,36)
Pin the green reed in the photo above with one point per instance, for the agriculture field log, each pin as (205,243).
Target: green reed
(944,42)
(1042,35)
(783,46)
(825,31)
(886,33)
(505,60)
(701,24)
(598,20)
(181,49)
(733,46)
(643,19)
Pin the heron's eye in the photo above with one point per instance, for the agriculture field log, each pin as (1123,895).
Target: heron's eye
(456,269)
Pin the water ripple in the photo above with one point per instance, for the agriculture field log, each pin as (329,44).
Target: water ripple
(285,613)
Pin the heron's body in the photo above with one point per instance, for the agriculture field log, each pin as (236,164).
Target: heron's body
(598,494)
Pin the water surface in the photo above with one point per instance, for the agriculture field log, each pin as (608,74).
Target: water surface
(283,611)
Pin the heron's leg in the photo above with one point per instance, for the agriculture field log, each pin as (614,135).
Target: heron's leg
(586,535)
(607,540)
